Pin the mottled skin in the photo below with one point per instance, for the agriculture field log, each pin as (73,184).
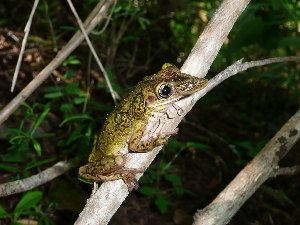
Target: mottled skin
(127,126)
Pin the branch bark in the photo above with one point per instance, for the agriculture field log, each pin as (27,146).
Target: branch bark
(34,181)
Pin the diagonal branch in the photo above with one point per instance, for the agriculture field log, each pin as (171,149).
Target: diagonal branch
(261,168)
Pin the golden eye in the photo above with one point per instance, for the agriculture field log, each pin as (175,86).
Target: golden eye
(165,91)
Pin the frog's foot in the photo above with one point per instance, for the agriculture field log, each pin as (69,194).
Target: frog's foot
(179,111)
(129,177)
(162,138)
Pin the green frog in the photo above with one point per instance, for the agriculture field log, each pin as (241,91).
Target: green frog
(127,126)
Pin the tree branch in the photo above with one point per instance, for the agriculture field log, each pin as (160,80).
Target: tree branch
(262,167)
(34,181)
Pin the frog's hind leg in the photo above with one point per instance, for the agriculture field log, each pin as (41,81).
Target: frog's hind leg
(102,170)
(129,177)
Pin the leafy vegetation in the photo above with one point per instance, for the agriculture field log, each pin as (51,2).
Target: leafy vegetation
(222,133)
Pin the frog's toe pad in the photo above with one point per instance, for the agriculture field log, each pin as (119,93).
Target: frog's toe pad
(129,178)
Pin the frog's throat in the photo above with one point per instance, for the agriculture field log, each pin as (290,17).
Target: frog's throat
(167,101)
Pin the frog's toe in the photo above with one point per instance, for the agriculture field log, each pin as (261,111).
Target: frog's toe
(131,183)
(130,178)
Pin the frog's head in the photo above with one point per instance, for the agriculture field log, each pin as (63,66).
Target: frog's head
(169,85)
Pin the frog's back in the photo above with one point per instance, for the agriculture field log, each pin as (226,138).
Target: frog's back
(120,124)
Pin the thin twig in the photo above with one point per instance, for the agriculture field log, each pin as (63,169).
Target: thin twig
(286,171)
(107,20)
(114,94)
(26,30)
(35,180)
(50,26)
(238,67)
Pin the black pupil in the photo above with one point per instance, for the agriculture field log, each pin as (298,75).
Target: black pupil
(166,91)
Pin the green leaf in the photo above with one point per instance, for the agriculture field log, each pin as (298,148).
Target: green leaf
(27,106)
(77,134)
(68,28)
(40,163)
(29,200)
(71,60)
(162,203)
(40,120)
(147,190)
(66,107)
(118,8)
(30,212)
(144,22)
(3,21)
(6,167)
(85,116)
(152,173)
(79,100)
(173,144)
(72,85)
(18,137)
(165,166)
(53,95)
(3,213)
(84,180)
(37,146)
(69,74)
(15,130)
(174,178)
(72,88)
(45,135)
(143,180)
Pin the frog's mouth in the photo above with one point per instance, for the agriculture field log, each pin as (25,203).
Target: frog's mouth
(165,102)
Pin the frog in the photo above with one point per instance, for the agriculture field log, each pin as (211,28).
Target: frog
(127,129)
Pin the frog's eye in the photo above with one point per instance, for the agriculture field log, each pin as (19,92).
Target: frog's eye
(165,91)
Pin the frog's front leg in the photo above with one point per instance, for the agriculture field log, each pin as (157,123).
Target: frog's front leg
(145,140)
(110,168)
